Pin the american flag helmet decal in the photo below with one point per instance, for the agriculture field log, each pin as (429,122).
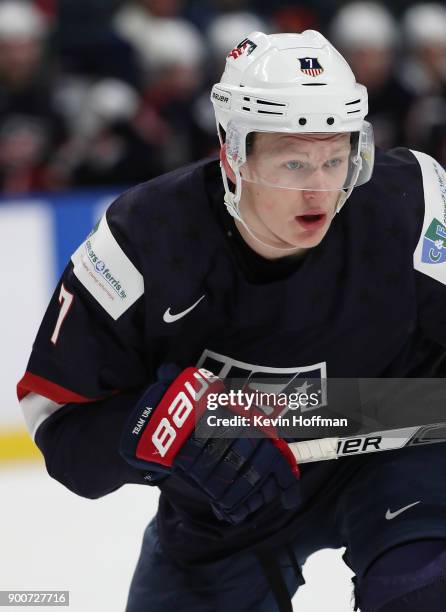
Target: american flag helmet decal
(310,66)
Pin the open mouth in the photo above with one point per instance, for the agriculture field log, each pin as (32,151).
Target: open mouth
(311,221)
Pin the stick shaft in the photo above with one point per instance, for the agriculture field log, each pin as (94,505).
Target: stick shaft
(324,449)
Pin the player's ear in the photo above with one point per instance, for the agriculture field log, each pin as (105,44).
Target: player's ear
(224,161)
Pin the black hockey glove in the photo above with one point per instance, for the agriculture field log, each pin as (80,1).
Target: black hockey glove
(239,475)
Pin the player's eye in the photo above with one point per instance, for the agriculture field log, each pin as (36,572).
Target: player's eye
(294,165)
(333,163)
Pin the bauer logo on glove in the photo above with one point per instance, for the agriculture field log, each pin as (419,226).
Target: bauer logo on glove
(238,475)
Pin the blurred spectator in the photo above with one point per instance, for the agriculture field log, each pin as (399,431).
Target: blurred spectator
(163,8)
(428,127)
(171,52)
(317,11)
(86,44)
(30,127)
(367,35)
(294,19)
(226,31)
(112,143)
(160,42)
(424,27)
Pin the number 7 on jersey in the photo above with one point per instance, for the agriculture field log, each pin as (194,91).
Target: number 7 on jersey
(65,300)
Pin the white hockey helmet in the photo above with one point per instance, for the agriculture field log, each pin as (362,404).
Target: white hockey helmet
(290,83)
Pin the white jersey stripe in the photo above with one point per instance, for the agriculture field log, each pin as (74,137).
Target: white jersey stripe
(37,409)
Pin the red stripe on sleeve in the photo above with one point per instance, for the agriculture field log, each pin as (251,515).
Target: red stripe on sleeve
(56,393)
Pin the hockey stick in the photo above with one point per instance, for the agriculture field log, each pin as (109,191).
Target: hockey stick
(324,449)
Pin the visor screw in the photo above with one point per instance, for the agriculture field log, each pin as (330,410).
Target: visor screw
(330,120)
(302,121)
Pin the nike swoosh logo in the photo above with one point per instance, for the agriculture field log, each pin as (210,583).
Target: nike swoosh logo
(391,515)
(168,317)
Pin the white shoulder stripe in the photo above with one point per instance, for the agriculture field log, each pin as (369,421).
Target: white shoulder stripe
(37,409)
(105,270)
(430,253)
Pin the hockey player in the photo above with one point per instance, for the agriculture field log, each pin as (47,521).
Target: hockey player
(170,291)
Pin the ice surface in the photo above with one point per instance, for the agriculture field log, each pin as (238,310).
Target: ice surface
(53,539)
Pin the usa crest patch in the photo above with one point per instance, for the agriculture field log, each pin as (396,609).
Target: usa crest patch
(310,66)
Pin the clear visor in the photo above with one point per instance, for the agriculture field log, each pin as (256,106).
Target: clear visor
(304,161)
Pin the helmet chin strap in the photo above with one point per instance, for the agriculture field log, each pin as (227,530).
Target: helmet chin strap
(232,202)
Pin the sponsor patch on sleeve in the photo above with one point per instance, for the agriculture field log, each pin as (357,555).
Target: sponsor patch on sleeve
(105,270)
(430,254)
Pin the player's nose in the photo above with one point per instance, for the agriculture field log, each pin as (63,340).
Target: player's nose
(315,195)
(316,187)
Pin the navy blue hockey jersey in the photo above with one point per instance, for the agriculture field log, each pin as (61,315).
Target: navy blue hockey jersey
(165,277)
